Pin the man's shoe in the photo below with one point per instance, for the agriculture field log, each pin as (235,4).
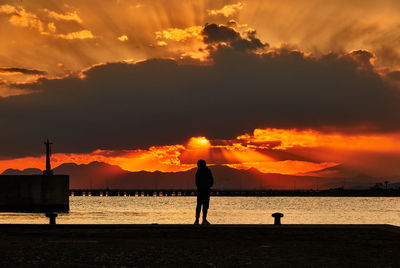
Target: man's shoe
(196,222)
(205,222)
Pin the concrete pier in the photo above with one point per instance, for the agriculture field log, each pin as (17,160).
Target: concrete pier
(199,246)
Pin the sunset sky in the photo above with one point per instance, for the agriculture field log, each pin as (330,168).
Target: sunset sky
(290,87)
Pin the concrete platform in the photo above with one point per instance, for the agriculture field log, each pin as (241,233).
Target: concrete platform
(199,246)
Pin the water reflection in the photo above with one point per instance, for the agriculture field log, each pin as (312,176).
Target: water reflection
(223,210)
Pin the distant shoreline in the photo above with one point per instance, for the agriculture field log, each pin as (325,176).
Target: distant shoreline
(261,193)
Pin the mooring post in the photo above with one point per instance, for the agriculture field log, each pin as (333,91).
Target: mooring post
(52,217)
(277,218)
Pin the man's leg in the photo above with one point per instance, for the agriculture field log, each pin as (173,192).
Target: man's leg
(206,204)
(198,209)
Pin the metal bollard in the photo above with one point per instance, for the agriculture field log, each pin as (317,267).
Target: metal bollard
(52,216)
(277,218)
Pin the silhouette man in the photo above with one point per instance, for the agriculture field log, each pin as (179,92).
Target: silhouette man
(204,181)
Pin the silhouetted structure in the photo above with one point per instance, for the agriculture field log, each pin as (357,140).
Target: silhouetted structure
(204,181)
(277,218)
(35,193)
(48,170)
(386,185)
(52,217)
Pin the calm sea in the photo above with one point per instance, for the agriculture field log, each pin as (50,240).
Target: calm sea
(223,210)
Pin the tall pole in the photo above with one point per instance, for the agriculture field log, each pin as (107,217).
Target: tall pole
(48,170)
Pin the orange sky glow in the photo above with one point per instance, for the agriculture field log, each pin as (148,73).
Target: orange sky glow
(246,151)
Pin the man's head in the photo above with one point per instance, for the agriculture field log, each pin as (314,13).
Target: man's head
(201,163)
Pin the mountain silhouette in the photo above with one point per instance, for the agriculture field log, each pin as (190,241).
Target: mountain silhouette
(99,175)
(92,175)
(28,171)
(338,171)
(102,175)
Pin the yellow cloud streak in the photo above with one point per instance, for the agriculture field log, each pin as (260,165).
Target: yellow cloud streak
(84,34)
(180,34)
(123,38)
(227,10)
(21,18)
(69,16)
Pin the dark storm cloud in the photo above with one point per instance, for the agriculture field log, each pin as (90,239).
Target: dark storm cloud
(157,102)
(363,58)
(21,71)
(395,75)
(215,34)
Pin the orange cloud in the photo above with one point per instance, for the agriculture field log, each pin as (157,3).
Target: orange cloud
(51,26)
(162,43)
(8,9)
(69,16)
(180,35)
(164,158)
(84,34)
(227,10)
(123,38)
(238,153)
(199,54)
(188,42)
(289,138)
(21,18)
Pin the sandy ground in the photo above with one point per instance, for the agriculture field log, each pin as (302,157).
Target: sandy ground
(199,246)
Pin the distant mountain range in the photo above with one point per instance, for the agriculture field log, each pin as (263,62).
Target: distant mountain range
(99,175)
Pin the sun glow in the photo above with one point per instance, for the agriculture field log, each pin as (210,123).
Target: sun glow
(199,142)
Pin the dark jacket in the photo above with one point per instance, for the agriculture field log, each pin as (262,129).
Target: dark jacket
(204,178)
